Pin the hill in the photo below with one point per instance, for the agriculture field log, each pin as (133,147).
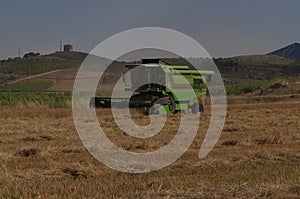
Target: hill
(57,71)
(291,51)
(34,63)
(257,67)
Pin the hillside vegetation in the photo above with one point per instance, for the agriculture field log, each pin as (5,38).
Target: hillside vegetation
(257,67)
(27,86)
(239,73)
(31,64)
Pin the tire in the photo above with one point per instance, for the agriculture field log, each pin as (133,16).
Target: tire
(172,104)
(197,108)
(157,101)
(201,108)
(153,109)
(154,99)
(92,103)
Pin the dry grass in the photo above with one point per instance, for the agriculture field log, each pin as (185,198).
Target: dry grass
(258,156)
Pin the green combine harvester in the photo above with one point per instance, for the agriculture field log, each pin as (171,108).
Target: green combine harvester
(153,87)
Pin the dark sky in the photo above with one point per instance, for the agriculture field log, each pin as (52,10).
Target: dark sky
(224,28)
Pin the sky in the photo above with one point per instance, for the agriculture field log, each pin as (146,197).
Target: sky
(224,28)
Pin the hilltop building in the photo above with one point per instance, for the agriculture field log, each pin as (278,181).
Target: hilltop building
(68,48)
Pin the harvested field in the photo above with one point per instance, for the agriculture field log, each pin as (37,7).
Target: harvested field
(257,156)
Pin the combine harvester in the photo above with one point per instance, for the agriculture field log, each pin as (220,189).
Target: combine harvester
(157,96)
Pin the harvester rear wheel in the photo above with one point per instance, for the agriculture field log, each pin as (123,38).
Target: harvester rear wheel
(197,108)
(172,104)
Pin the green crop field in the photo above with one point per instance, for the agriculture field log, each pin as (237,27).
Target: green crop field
(50,99)
(247,87)
(27,86)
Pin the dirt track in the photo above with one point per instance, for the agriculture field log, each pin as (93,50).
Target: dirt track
(36,76)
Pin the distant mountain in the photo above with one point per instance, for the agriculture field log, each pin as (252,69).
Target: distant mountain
(291,51)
